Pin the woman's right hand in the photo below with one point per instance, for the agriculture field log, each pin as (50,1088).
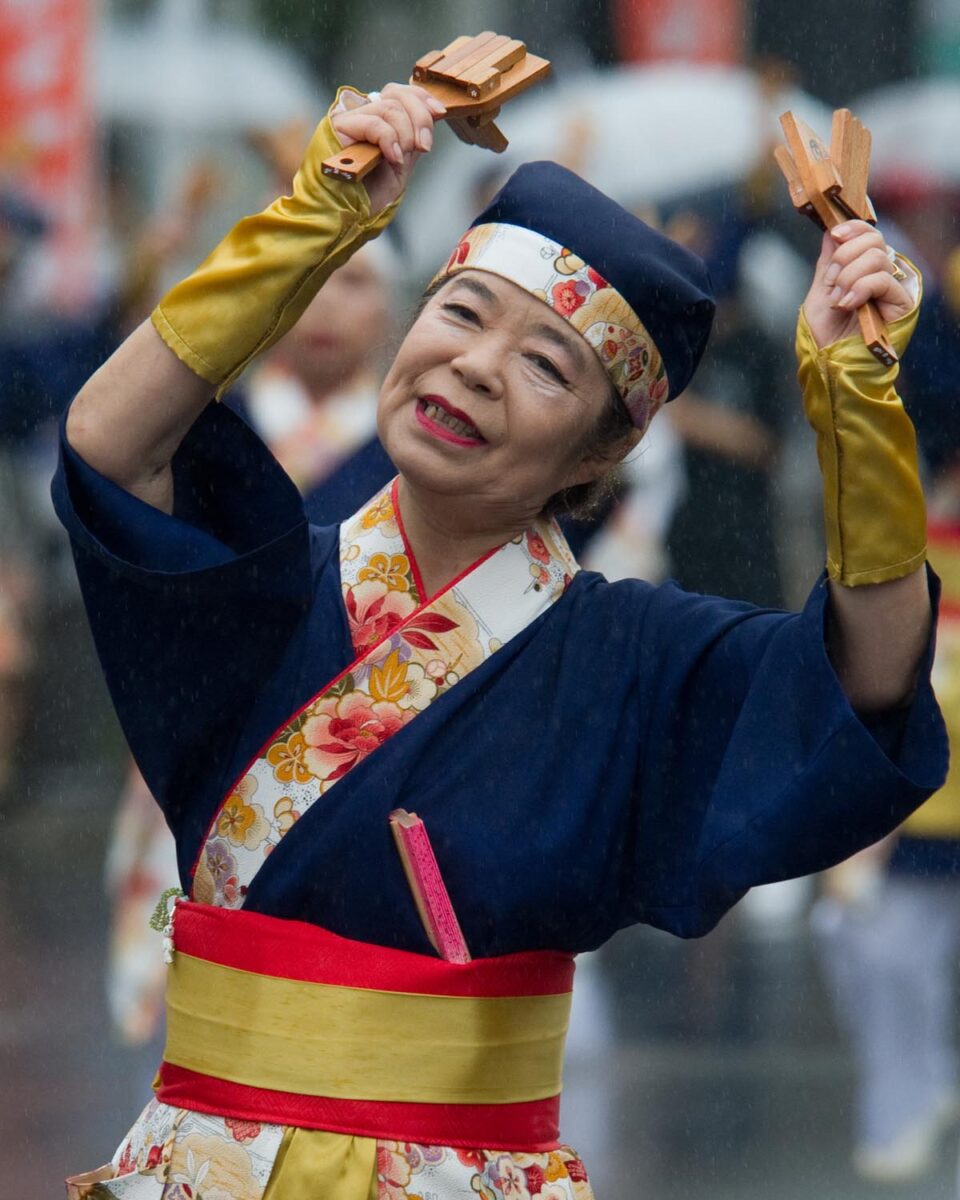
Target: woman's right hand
(400,121)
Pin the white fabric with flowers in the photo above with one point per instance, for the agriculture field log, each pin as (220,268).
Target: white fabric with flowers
(410,651)
(176,1154)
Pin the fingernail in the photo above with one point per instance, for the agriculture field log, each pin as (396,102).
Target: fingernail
(426,139)
(835,295)
(438,106)
(397,154)
(830,277)
(845,300)
(840,231)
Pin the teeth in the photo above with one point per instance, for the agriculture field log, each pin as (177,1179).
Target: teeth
(448,421)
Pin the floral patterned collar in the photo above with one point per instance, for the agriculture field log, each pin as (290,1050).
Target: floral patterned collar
(410,650)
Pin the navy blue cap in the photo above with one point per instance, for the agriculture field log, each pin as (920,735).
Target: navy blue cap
(666,285)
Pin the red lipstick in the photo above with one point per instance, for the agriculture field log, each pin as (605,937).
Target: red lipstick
(442,430)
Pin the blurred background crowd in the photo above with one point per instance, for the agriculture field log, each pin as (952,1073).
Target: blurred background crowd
(806,1046)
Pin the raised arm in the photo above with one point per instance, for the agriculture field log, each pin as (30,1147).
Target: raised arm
(129,418)
(873,505)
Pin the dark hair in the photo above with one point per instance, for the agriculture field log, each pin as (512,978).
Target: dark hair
(583,500)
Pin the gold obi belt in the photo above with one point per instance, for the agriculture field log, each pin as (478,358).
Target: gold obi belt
(284,1022)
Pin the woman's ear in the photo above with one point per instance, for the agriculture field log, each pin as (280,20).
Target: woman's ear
(592,466)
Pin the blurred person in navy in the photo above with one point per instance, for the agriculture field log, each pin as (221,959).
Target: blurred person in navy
(731,421)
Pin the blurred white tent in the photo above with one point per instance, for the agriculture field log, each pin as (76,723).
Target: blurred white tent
(182,89)
(640,134)
(198,76)
(915,127)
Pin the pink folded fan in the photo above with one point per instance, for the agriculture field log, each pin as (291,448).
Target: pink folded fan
(426,883)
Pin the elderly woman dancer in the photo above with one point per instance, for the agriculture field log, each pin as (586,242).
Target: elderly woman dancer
(584,755)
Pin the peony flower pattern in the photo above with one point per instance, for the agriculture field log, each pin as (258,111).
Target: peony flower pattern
(374,611)
(344,730)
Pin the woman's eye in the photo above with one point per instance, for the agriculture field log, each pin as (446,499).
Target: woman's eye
(462,311)
(550,368)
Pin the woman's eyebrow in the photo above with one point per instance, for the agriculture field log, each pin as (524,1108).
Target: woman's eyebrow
(560,339)
(479,289)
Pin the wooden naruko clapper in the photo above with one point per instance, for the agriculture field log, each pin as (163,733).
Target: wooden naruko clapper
(473,77)
(830,186)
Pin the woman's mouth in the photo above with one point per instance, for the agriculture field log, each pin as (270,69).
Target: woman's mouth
(436,417)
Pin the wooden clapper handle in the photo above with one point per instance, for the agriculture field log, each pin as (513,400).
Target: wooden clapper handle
(353,163)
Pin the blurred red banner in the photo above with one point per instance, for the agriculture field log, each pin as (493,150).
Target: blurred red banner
(47,125)
(694,31)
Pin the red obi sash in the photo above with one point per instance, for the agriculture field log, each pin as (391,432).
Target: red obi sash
(284,1022)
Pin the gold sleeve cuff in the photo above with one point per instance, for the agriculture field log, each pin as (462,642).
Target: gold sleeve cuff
(873,504)
(256,284)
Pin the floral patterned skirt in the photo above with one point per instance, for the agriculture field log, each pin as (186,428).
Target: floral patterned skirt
(178,1154)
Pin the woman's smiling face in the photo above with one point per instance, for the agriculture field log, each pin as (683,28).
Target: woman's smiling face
(492,395)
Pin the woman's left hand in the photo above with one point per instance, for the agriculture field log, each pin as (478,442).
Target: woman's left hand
(854,266)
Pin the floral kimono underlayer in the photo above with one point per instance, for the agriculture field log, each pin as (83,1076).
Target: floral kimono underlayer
(585,755)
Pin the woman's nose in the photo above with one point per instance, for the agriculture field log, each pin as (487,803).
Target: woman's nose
(480,369)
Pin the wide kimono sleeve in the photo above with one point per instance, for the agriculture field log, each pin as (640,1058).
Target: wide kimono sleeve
(190,612)
(753,766)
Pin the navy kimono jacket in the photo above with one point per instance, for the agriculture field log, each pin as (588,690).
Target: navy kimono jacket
(637,754)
